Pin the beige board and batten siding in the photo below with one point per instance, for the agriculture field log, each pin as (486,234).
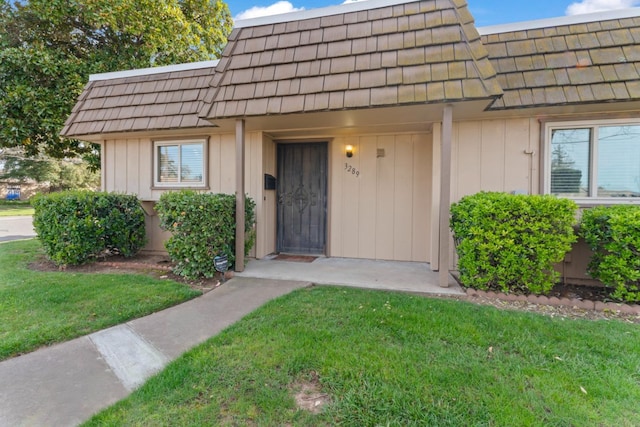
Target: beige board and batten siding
(266,240)
(128,168)
(380,199)
(494,155)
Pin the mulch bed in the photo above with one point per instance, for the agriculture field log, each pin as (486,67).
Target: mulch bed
(154,265)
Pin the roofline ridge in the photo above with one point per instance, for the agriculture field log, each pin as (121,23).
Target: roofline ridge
(560,21)
(354,6)
(154,70)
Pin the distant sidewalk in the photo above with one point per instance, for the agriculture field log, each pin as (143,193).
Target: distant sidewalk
(63,385)
(16,228)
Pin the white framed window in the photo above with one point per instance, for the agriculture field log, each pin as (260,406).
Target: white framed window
(180,163)
(591,161)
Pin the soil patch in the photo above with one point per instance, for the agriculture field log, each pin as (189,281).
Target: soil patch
(308,394)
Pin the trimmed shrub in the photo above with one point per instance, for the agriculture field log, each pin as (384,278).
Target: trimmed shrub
(509,243)
(77,226)
(203,226)
(613,234)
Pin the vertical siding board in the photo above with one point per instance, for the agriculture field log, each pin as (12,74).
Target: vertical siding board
(145,169)
(227,165)
(403,199)
(269,208)
(421,197)
(214,163)
(121,165)
(492,155)
(253,178)
(109,153)
(386,199)
(350,198)
(435,193)
(367,150)
(336,154)
(469,154)
(517,162)
(534,145)
(131,172)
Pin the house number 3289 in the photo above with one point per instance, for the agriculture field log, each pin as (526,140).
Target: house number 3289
(350,169)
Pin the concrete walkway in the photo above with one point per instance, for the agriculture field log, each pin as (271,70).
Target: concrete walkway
(362,273)
(65,384)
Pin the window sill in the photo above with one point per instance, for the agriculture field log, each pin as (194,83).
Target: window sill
(180,187)
(589,202)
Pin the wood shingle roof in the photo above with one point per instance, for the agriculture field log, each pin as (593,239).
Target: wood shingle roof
(157,101)
(382,53)
(421,52)
(567,64)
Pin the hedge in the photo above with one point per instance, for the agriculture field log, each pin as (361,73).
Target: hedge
(613,234)
(202,226)
(75,227)
(509,243)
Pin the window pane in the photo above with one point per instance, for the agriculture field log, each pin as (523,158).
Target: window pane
(570,162)
(619,161)
(192,164)
(168,158)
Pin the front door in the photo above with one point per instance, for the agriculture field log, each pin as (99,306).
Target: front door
(302,198)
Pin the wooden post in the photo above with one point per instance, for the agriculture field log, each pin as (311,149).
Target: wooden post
(240,142)
(445,195)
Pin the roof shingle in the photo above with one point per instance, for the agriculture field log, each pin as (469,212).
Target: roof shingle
(384,56)
(151,102)
(567,64)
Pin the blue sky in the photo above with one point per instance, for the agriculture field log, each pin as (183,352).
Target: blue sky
(486,12)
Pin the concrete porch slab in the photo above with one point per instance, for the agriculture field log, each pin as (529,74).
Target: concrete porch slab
(361,273)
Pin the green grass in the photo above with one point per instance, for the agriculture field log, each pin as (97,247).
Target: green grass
(399,360)
(15,208)
(42,308)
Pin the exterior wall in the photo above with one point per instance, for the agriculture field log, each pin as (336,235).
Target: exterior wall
(493,155)
(127,167)
(503,155)
(266,241)
(383,210)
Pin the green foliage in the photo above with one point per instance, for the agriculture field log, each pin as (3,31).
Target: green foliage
(48,48)
(613,234)
(61,174)
(510,242)
(77,226)
(203,226)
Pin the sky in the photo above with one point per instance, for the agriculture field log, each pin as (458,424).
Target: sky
(485,12)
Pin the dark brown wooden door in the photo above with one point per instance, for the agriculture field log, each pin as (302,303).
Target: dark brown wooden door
(302,198)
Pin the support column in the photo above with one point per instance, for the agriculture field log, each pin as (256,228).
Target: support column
(445,195)
(240,192)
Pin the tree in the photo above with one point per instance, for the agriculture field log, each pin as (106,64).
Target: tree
(48,48)
(59,174)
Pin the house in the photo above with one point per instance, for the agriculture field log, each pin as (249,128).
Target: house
(354,127)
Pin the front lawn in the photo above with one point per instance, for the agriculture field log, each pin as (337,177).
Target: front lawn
(42,308)
(380,358)
(15,208)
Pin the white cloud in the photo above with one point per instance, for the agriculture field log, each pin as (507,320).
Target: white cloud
(276,8)
(351,1)
(589,6)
